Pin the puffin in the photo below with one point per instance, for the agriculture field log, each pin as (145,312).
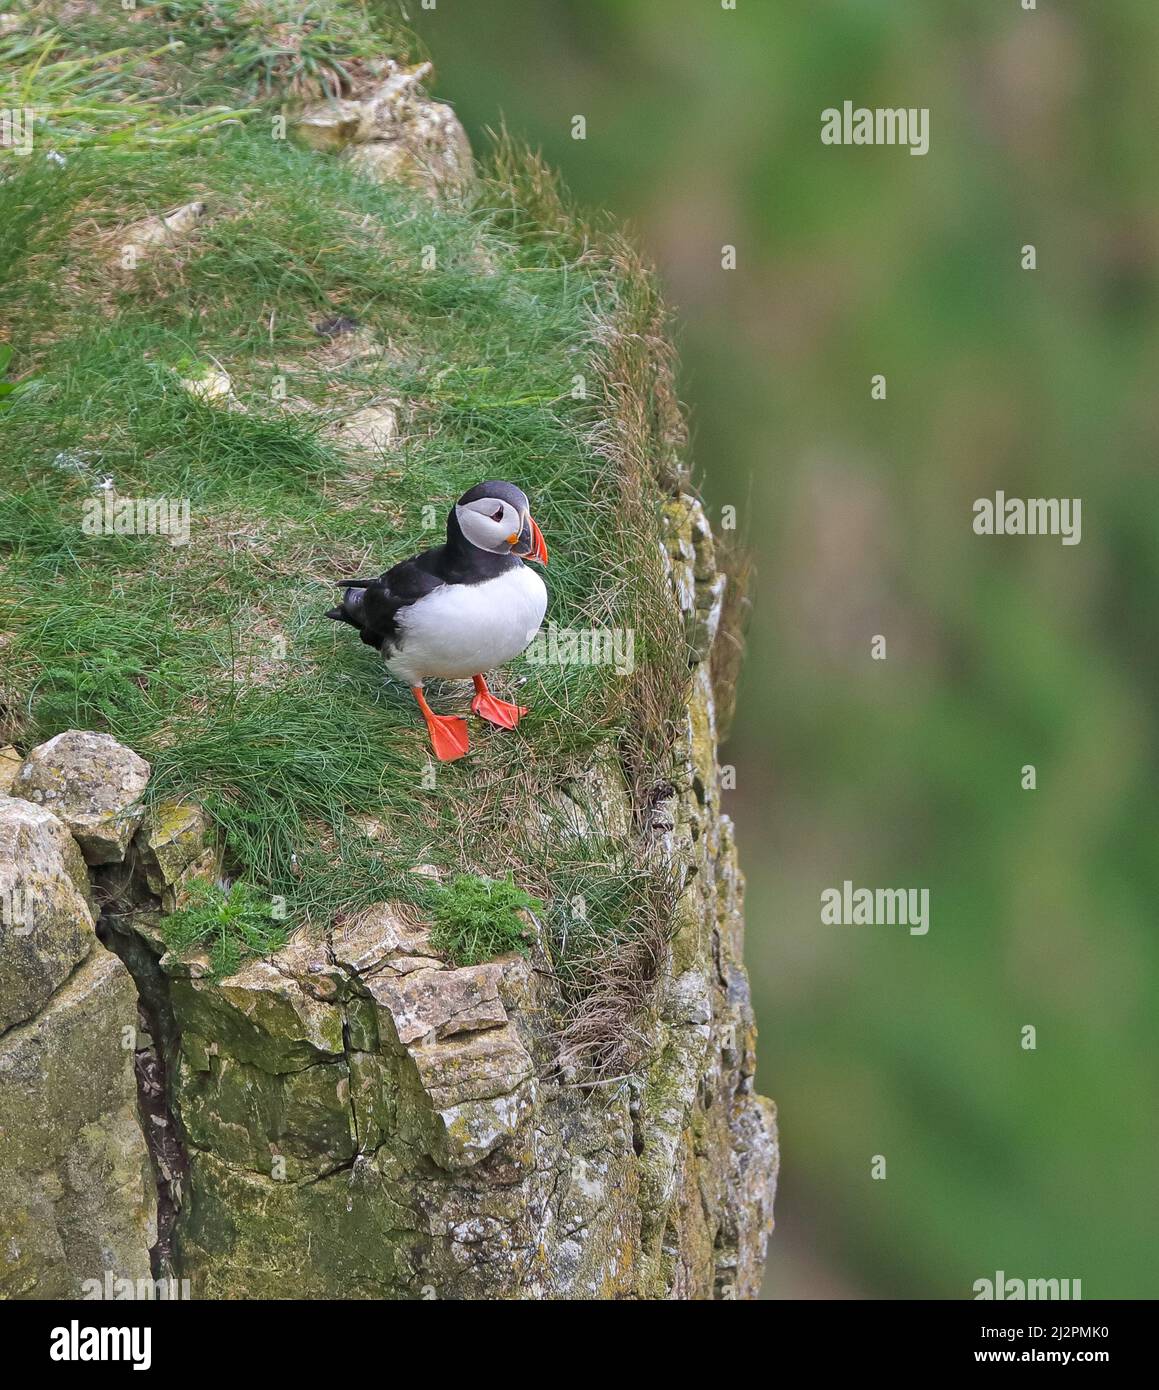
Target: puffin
(458,610)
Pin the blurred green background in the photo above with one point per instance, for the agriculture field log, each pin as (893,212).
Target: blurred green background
(704,129)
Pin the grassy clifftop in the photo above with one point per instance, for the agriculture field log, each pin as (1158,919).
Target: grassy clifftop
(317,364)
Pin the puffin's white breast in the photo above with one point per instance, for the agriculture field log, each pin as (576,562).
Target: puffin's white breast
(463,630)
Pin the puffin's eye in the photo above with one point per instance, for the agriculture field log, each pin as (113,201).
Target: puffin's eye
(497,516)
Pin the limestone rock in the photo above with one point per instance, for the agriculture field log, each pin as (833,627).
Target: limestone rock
(374,427)
(457,1082)
(211,385)
(261,1017)
(251,1118)
(93,784)
(76,1191)
(477,1067)
(329,126)
(308,962)
(365,943)
(692,565)
(469,1098)
(438,1003)
(164,230)
(46,919)
(246,1235)
(10,761)
(174,846)
(747,1216)
(394,133)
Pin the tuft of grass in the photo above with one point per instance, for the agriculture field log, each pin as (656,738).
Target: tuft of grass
(284,45)
(200,53)
(111,98)
(10,391)
(235,925)
(611,920)
(477,919)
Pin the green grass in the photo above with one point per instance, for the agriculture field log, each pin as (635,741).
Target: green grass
(477,919)
(611,917)
(213,659)
(112,98)
(168,73)
(232,925)
(264,46)
(9,390)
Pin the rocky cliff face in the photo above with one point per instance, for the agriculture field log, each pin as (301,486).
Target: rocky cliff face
(355,1115)
(77,1194)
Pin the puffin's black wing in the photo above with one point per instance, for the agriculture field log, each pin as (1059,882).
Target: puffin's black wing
(370,605)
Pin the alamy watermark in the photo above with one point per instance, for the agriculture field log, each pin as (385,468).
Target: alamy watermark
(16,129)
(1030,516)
(77,1343)
(114,1289)
(881,125)
(1005,1288)
(20,900)
(882,907)
(592,646)
(109,515)
(16,910)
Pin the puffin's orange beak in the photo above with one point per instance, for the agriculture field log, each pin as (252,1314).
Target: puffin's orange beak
(538,550)
(531,541)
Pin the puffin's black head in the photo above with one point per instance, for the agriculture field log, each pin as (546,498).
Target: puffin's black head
(496,517)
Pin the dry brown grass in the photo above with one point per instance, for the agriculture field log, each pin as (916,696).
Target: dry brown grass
(607,986)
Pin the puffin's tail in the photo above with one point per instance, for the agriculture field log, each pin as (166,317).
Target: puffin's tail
(350,609)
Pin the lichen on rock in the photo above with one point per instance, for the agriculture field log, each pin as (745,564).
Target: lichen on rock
(10,761)
(77,1197)
(175,846)
(394,132)
(93,784)
(46,909)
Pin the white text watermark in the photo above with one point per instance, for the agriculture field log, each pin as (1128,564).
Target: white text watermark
(109,515)
(595,646)
(881,125)
(16,126)
(885,907)
(1030,516)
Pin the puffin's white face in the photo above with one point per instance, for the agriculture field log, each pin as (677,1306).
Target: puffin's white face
(490,524)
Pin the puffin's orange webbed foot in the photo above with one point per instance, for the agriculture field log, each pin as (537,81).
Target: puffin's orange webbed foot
(448,732)
(495,711)
(448,736)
